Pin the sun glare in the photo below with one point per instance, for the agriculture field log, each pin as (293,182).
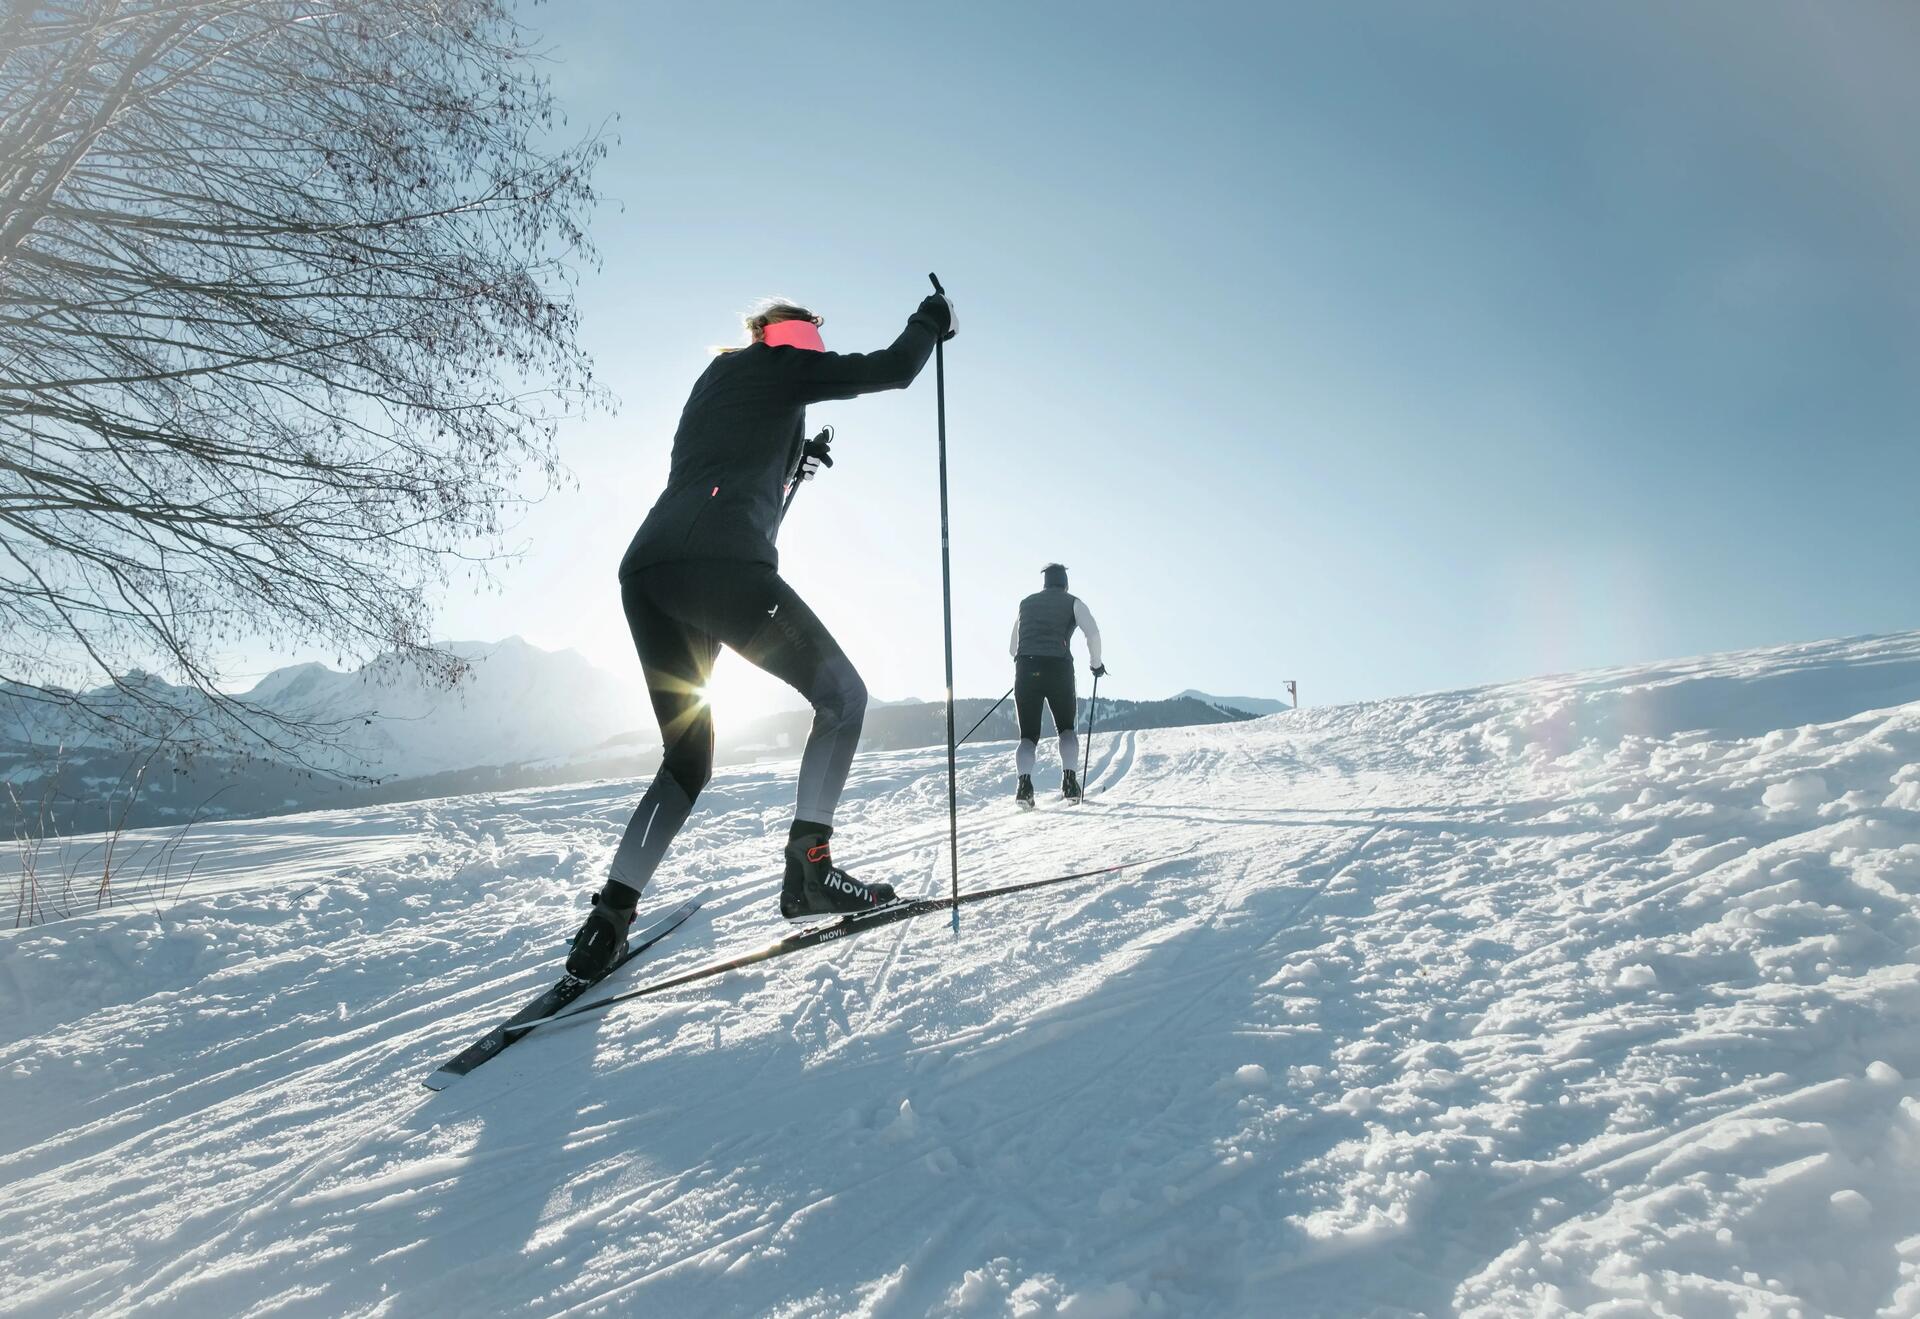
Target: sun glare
(738,693)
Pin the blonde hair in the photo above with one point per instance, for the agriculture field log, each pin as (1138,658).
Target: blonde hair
(770,311)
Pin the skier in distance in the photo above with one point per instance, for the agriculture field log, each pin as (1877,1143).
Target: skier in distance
(702,572)
(1043,673)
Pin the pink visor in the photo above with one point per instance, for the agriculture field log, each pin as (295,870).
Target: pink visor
(794,334)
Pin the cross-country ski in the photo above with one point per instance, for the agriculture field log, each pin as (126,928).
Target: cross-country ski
(564,992)
(846,927)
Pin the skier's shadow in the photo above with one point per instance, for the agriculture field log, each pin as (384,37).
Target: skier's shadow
(500,1192)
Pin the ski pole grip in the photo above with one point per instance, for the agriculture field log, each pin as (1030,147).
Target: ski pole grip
(936,284)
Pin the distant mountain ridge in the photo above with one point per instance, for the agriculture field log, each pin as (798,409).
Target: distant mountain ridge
(522,717)
(1255,705)
(904,725)
(515,702)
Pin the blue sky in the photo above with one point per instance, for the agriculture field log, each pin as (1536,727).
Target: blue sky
(1388,348)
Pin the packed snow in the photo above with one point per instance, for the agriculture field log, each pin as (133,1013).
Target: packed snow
(1597,995)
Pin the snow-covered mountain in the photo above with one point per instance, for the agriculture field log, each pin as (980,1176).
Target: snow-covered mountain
(1597,994)
(520,717)
(515,703)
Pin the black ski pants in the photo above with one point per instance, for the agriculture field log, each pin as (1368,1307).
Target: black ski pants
(680,615)
(1043,679)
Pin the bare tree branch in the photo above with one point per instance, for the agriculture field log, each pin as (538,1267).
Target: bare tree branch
(285,333)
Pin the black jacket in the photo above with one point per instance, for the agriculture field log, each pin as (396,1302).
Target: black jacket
(740,437)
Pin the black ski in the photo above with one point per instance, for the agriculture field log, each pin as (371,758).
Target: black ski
(815,935)
(565,991)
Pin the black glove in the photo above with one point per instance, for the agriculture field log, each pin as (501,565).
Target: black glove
(815,454)
(938,308)
(1099,670)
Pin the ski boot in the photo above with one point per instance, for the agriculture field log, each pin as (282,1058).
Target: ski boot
(1069,786)
(1023,795)
(814,886)
(602,941)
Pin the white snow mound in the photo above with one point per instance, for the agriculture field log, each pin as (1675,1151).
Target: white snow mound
(1593,995)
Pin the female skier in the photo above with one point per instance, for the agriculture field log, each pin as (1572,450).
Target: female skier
(702,572)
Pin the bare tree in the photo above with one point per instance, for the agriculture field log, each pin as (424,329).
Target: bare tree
(285,331)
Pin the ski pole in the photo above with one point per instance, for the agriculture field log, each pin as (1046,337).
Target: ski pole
(946,607)
(825,440)
(983,718)
(1086,752)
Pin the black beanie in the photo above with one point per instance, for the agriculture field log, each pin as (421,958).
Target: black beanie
(1054,574)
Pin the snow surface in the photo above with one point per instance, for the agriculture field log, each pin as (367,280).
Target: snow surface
(1595,995)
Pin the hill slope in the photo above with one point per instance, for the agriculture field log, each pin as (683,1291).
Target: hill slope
(1588,992)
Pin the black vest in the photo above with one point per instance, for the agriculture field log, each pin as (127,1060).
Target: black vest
(1047,624)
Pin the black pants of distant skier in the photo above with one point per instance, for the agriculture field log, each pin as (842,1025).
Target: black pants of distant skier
(680,615)
(1044,680)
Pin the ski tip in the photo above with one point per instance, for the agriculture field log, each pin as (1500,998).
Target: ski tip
(440,1080)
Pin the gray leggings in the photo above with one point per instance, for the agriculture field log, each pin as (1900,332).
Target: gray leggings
(680,615)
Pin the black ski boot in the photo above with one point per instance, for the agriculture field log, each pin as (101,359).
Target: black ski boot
(1069,786)
(1024,793)
(602,941)
(814,886)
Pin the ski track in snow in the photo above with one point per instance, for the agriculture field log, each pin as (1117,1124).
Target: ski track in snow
(1595,994)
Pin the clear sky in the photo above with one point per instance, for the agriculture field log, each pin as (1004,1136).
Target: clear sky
(1385,347)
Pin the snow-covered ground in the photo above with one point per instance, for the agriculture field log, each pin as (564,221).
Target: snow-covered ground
(1596,994)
